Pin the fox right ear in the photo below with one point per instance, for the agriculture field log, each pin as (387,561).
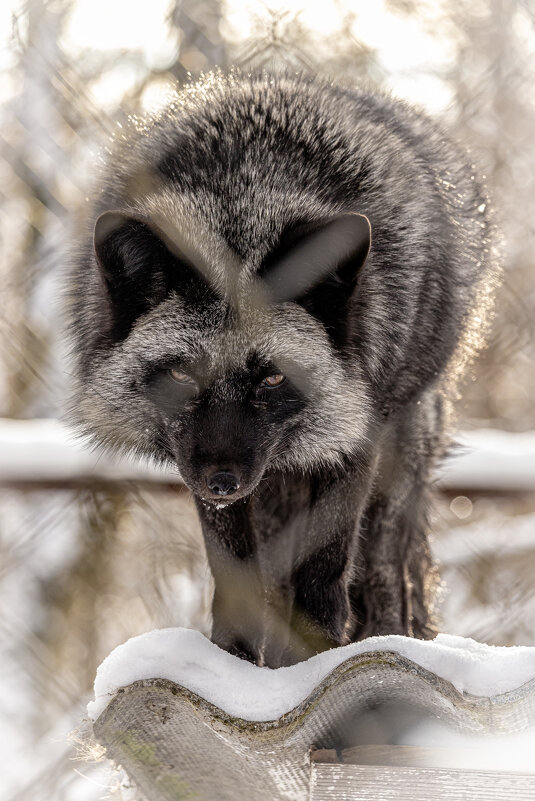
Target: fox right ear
(317,265)
(312,255)
(139,267)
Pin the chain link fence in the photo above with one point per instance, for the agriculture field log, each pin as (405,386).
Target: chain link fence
(83,568)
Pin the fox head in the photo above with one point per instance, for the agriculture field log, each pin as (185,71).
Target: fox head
(224,366)
(226,315)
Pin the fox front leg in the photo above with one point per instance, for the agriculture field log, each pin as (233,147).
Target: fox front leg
(243,621)
(280,595)
(279,623)
(322,615)
(315,540)
(251,610)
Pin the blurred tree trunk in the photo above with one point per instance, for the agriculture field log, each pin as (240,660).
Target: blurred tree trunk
(36,161)
(494,109)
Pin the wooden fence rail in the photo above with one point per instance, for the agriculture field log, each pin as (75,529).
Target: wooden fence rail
(47,453)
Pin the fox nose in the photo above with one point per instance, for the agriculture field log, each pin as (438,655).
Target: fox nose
(223,483)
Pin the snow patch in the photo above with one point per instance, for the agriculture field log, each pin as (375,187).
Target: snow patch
(253,693)
(45,449)
(491,460)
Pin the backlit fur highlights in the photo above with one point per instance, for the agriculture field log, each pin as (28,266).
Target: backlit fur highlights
(284,226)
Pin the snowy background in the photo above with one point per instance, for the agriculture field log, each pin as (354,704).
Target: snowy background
(85,564)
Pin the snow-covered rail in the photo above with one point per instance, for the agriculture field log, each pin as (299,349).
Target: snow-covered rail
(187,720)
(47,451)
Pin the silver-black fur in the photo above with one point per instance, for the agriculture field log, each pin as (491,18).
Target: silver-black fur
(232,242)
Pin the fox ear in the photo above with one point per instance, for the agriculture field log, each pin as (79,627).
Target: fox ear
(116,238)
(139,267)
(317,265)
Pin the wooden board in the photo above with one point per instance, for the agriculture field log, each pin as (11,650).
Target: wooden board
(330,782)
(469,757)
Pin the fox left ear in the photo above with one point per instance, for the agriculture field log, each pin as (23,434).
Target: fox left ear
(139,266)
(317,265)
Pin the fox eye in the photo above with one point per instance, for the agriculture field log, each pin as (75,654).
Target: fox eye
(272,381)
(181,377)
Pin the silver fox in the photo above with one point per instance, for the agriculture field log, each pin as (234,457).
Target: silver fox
(282,285)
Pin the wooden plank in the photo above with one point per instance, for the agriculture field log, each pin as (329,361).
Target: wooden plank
(325,755)
(410,756)
(391,783)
